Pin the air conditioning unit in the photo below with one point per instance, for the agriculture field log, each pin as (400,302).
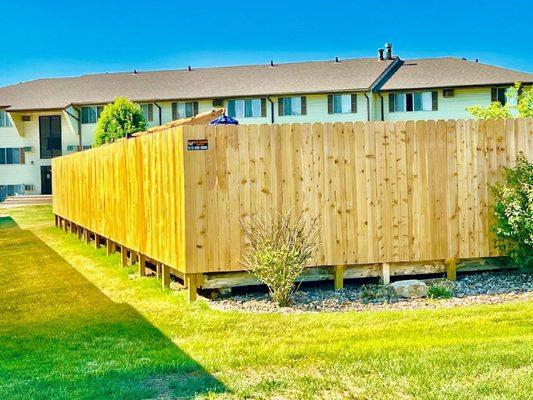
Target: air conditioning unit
(27,149)
(218,102)
(448,93)
(71,147)
(26,118)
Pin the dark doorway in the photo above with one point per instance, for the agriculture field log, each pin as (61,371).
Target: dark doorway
(50,135)
(46,179)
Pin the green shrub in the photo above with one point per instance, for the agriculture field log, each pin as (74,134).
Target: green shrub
(513,210)
(279,251)
(440,290)
(118,119)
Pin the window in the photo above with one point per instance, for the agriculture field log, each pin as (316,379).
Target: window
(247,108)
(185,109)
(417,101)
(50,135)
(89,115)
(5,121)
(14,189)
(498,94)
(148,111)
(342,103)
(11,155)
(292,106)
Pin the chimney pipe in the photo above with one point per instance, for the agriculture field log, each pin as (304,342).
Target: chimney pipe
(388,49)
(380,54)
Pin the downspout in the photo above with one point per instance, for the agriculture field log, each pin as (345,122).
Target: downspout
(367,107)
(271,109)
(160,113)
(382,107)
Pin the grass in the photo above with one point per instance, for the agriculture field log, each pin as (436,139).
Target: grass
(73,325)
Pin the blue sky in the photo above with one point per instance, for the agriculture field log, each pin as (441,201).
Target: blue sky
(65,38)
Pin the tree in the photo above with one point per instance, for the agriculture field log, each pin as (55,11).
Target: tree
(519,103)
(118,119)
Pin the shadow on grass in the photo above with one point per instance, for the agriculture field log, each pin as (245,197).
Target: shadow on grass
(61,337)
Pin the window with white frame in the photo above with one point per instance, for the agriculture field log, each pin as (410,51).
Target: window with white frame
(415,101)
(90,114)
(148,111)
(342,103)
(5,121)
(247,108)
(292,106)
(184,109)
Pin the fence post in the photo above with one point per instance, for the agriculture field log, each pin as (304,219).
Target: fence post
(123,256)
(451,269)
(338,282)
(165,280)
(142,265)
(385,273)
(109,247)
(190,281)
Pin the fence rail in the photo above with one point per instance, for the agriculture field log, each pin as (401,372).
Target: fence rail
(382,191)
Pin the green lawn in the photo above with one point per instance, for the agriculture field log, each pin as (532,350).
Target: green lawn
(73,325)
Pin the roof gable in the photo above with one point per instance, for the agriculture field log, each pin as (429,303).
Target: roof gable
(451,72)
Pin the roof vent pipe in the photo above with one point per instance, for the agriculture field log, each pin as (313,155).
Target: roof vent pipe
(380,54)
(388,49)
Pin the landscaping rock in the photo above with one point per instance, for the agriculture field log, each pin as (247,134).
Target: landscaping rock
(410,289)
(470,289)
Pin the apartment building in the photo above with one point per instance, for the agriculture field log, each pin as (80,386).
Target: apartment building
(45,118)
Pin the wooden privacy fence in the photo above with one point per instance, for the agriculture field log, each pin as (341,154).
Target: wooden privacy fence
(382,191)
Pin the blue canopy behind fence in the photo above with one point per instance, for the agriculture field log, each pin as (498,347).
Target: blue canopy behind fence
(224,120)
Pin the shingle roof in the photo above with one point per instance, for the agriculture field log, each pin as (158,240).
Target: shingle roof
(253,80)
(450,72)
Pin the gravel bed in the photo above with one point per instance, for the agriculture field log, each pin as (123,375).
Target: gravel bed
(480,288)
